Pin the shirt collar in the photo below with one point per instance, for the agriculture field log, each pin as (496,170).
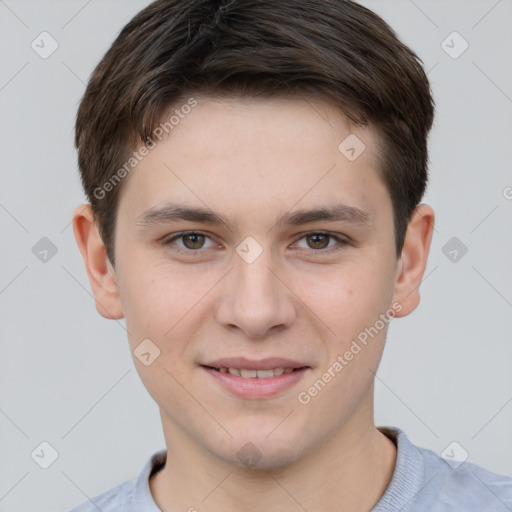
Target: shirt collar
(142,499)
(405,483)
(408,475)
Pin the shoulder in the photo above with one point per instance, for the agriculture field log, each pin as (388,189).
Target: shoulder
(425,480)
(115,499)
(466,484)
(132,495)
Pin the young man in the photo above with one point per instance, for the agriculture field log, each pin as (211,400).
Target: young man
(255,171)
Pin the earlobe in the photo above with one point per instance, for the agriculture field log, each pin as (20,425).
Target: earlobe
(101,273)
(413,261)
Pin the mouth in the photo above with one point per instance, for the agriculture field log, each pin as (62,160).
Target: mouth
(253,379)
(247,373)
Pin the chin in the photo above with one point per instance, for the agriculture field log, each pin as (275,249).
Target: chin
(263,453)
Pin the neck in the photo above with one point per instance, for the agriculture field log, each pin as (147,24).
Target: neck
(354,468)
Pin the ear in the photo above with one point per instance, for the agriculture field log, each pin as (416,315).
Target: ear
(101,274)
(413,260)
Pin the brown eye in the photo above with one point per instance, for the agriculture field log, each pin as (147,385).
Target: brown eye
(190,242)
(193,241)
(318,241)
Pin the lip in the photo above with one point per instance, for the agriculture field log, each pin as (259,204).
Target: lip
(255,388)
(253,364)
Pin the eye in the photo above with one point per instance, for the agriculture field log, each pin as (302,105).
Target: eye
(192,241)
(319,242)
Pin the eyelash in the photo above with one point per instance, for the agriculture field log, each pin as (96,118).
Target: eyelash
(341,242)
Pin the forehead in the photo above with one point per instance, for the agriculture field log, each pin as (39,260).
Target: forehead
(255,155)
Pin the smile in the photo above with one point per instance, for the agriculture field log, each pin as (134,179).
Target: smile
(253,374)
(264,382)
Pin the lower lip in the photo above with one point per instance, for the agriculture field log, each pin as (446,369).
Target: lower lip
(254,387)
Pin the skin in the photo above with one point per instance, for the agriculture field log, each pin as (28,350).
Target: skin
(252,161)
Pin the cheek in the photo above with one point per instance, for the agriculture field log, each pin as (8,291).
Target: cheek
(153,304)
(350,298)
(351,304)
(165,303)
(156,310)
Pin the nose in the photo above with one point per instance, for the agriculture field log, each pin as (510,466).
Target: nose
(255,298)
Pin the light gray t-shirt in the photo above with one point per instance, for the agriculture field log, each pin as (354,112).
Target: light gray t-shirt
(422,482)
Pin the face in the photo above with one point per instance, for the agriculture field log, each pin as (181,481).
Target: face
(254,298)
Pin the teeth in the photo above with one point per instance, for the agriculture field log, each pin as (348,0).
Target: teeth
(260,374)
(264,374)
(248,374)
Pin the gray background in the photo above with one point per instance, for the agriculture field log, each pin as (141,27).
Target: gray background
(66,374)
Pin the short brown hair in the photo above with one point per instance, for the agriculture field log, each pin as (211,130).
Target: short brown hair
(337,50)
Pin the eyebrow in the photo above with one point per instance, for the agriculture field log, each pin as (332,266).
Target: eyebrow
(172,212)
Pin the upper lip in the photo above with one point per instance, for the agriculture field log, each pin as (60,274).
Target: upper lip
(253,364)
